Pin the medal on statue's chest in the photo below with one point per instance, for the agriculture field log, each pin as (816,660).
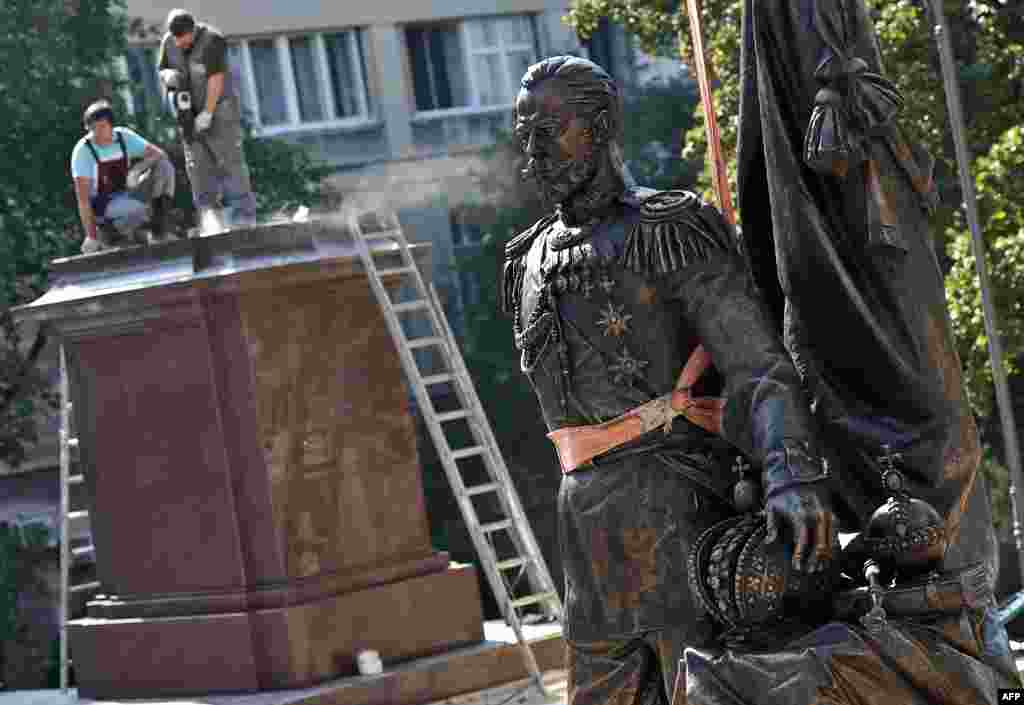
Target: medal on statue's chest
(626,368)
(578,266)
(614,320)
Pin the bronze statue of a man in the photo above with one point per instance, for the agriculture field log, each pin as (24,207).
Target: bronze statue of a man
(635,315)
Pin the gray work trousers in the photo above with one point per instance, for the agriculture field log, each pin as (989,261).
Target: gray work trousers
(126,211)
(216,166)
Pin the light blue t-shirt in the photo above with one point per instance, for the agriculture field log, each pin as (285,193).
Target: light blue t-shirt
(83,163)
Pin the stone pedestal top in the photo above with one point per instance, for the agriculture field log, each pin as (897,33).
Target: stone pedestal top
(89,285)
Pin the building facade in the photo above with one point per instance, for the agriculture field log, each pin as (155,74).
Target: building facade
(398,95)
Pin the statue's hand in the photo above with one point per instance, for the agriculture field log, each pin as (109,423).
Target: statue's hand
(807,509)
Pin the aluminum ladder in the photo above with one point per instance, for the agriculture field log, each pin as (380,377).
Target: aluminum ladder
(501,534)
(69,518)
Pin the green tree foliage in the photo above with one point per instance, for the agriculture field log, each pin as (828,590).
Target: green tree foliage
(284,176)
(1000,181)
(56,59)
(58,56)
(24,552)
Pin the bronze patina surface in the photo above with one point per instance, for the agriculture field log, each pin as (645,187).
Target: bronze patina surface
(610,295)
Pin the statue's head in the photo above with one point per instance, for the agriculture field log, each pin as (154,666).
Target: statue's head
(568,120)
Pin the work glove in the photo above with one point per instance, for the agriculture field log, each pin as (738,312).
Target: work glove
(173,79)
(203,121)
(137,174)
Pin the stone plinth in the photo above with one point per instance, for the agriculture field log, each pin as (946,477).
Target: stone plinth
(244,428)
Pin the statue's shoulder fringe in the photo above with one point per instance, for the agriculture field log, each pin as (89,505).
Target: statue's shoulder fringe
(520,244)
(515,265)
(675,229)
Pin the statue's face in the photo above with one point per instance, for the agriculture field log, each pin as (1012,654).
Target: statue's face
(559,145)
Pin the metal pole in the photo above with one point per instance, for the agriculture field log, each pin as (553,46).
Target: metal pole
(65,529)
(995,345)
(718,171)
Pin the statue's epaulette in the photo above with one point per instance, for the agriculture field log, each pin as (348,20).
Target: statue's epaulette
(515,265)
(676,228)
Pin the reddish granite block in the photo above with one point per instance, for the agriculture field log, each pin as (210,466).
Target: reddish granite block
(258,509)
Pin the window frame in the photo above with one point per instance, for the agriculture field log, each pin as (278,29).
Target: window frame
(325,86)
(129,89)
(476,107)
(466,286)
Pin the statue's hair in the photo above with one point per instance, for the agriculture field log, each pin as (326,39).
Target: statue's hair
(590,88)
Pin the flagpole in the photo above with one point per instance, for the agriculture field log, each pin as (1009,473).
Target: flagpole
(718,171)
(995,345)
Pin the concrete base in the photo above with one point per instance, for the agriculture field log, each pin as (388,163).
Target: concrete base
(462,676)
(285,647)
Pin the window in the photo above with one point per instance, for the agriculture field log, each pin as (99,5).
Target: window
(236,65)
(291,82)
(465,233)
(467,237)
(142,91)
(600,46)
(474,64)
(271,108)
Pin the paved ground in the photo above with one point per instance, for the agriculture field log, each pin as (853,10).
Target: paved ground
(520,693)
(517,693)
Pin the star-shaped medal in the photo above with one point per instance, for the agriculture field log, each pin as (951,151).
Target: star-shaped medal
(615,320)
(626,368)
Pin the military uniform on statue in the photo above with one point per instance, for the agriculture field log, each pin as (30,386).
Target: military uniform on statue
(635,315)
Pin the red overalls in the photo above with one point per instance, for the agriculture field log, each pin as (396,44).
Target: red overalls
(111,176)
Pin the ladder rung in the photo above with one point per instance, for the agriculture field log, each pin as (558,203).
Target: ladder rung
(425,342)
(394,271)
(496,526)
(78,515)
(95,585)
(82,551)
(76,479)
(380,234)
(534,599)
(486,487)
(73,442)
(414,305)
(440,337)
(453,415)
(468,452)
(512,563)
